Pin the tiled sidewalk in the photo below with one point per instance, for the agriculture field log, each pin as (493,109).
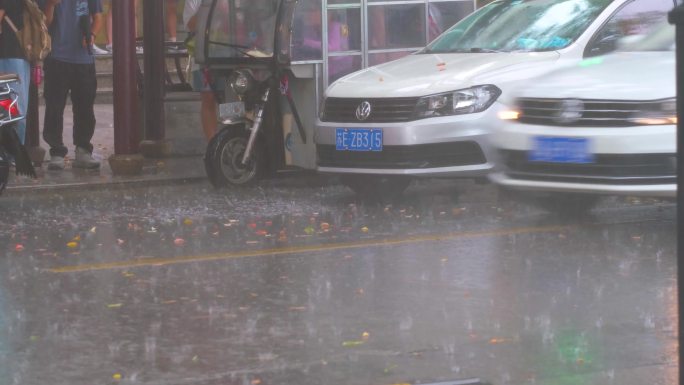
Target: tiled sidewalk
(154,171)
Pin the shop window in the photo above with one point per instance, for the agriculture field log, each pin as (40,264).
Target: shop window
(337,2)
(344,30)
(307,39)
(396,26)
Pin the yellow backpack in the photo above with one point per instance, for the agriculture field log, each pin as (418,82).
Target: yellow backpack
(34,36)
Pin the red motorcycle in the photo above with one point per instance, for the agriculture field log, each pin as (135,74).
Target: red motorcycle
(12,152)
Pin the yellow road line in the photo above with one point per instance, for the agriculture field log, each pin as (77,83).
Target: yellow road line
(301,249)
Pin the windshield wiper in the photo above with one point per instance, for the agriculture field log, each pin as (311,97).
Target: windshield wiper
(483,50)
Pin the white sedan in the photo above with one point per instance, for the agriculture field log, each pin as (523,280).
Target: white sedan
(605,126)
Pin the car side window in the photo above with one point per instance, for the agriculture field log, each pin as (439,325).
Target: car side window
(630,23)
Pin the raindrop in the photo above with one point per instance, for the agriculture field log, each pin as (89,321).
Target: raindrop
(598,292)
(150,348)
(114,349)
(267,357)
(649,322)
(406,323)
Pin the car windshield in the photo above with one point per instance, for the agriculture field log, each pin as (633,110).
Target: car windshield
(520,25)
(661,39)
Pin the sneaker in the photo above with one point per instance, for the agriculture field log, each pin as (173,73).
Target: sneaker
(84,159)
(139,50)
(56,163)
(99,51)
(108,47)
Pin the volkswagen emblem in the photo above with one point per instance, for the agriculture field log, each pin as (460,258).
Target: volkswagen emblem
(570,111)
(363,111)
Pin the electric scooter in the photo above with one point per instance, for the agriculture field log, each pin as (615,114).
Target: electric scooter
(11,149)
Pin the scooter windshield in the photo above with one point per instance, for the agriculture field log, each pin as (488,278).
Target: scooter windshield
(243,28)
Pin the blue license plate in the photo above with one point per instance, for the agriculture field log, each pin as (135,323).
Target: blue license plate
(358,139)
(561,150)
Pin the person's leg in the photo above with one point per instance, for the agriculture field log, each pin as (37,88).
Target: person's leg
(55,89)
(23,70)
(209,118)
(138,20)
(171,19)
(108,22)
(110,34)
(83,91)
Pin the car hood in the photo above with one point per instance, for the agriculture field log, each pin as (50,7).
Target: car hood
(427,74)
(621,76)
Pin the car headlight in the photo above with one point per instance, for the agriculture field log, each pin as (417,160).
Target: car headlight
(467,101)
(659,113)
(240,81)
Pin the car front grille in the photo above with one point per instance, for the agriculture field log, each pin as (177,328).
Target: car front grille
(582,113)
(383,110)
(607,169)
(404,157)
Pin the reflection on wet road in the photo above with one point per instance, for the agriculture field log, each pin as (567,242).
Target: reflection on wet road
(303,284)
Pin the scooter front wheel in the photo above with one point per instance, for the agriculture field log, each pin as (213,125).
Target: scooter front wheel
(223,159)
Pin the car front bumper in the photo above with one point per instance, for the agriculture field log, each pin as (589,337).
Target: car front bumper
(451,146)
(654,190)
(639,160)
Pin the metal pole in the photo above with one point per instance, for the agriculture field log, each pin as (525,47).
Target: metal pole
(126,160)
(677,18)
(154,63)
(126,127)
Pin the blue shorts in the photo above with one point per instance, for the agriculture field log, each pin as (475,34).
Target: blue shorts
(200,83)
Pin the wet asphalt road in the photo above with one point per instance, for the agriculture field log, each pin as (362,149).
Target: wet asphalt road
(298,282)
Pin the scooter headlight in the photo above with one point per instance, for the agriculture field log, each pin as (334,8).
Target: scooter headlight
(241,81)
